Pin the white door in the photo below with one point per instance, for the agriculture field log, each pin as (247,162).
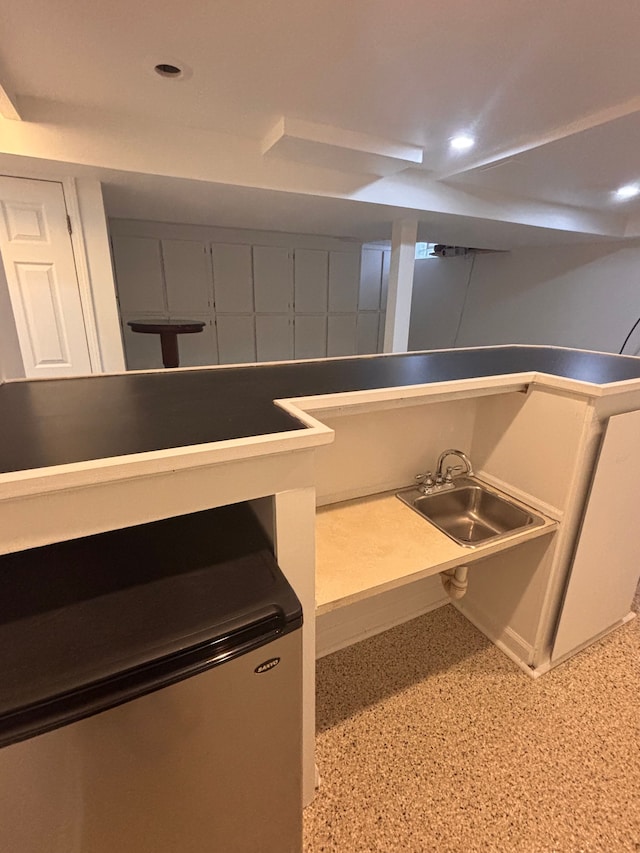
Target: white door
(41,276)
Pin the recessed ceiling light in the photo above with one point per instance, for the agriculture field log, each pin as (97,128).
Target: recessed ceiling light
(628,191)
(462,142)
(165,69)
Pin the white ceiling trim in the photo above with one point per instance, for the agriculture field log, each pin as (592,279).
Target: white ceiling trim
(586,122)
(8,103)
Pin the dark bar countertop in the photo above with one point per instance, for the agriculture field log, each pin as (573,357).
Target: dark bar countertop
(53,422)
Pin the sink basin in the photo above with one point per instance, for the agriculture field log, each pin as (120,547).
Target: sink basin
(471,513)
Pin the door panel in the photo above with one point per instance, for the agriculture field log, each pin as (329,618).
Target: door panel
(232,278)
(311,280)
(138,266)
(367,332)
(272,279)
(187,273)
(236,338)
(200,348)
(41,276)
(341,335)
(310,336)
(370,280)
(344,281)
(274,337)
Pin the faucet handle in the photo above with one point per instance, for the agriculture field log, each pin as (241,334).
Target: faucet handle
(424,481)
(448,477)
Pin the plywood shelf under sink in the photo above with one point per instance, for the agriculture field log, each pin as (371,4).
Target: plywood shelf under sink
(376,543)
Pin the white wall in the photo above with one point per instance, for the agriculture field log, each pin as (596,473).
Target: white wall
(439,288)
(584,296)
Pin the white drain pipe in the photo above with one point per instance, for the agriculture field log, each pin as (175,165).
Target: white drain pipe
(455,581)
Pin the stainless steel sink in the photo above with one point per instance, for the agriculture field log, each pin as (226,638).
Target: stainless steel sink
(470,512)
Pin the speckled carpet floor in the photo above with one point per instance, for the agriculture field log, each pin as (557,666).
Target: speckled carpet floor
(430,739)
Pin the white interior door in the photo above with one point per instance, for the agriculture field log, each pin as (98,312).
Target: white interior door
(41,276)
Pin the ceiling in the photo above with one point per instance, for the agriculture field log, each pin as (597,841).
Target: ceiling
(549,90)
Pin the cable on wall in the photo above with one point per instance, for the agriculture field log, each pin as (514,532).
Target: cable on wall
(626,340)
(464,304)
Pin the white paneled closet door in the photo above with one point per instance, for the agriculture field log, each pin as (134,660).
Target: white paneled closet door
(138,267)
(41,275)
(272,279)
(274,337)
(310,336)
(187,275)
(232,278)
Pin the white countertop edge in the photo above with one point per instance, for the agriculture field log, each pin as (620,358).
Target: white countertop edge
(34,481)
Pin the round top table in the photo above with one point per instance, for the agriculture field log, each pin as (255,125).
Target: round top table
(168,331)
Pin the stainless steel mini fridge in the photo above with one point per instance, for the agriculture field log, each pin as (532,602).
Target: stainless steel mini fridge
(150,697)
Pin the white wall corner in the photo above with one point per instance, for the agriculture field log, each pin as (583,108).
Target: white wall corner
(93,239)
(403,250)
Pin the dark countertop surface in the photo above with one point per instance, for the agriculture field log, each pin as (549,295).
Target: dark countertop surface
(58,421)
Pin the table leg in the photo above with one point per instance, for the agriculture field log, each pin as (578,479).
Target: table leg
(169,344)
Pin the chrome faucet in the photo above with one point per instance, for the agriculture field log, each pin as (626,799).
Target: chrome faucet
(447,476)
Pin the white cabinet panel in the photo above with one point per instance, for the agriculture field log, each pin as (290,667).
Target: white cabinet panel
(274,337)
(367,332)
(606,566)
(344,281)
(236,338)
(311,280)
(199,348)
(341,335)
(232,278)
(310,336)
(370,280)
(272,279)
(142,352)
(138,268)
(187,274)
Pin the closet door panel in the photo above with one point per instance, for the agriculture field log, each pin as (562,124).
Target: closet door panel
(138,267)
(236,338)
(341,335)
(272,279)
(274,337)
(200,348)
(187,275)
(232,278)
(370,280)
(344,281)
(310,336)
(311,278)
(367,333)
